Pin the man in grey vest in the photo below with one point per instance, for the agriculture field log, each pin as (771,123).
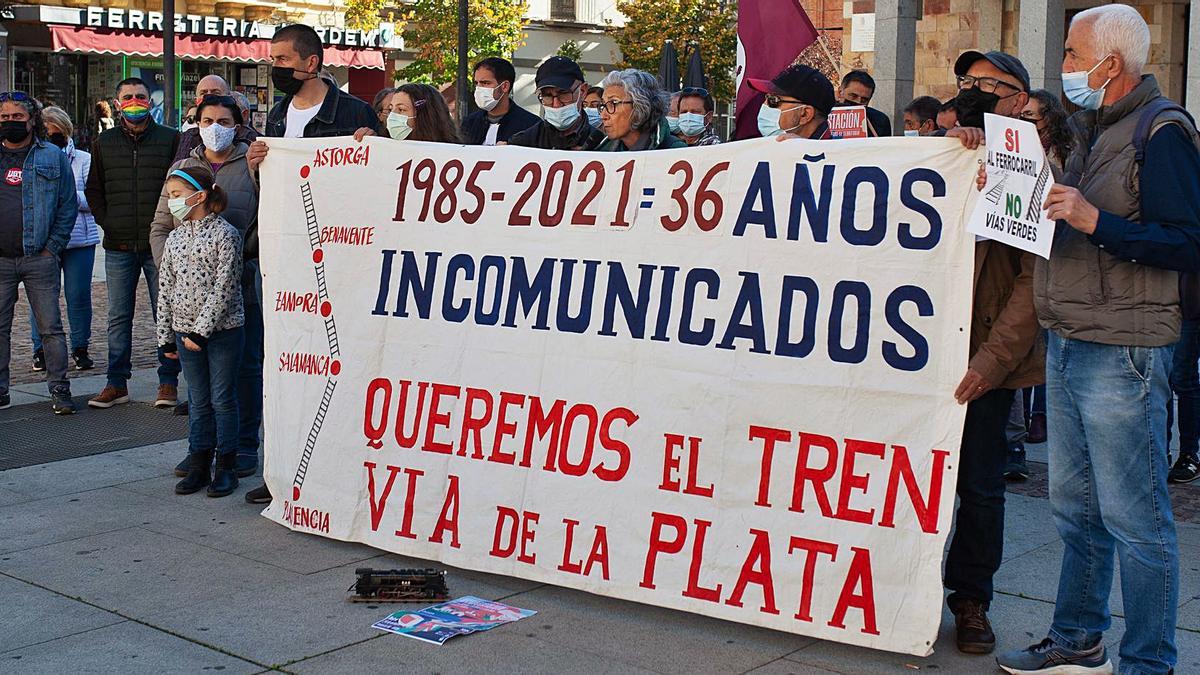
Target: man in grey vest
(1128,217)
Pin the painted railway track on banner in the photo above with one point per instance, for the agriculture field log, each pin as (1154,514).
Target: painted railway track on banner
(326,310)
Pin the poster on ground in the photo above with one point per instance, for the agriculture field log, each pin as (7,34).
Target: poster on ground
(463,616)
(713,379)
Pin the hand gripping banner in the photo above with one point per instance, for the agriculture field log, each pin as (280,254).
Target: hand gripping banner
(716,379)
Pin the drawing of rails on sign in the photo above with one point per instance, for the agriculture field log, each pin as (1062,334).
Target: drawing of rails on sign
(1034,214)
(994,194)
(325,307)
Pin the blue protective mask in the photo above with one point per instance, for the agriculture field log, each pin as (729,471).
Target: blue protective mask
(593,115)
(691,124)
(768,120)
(912,132)
(561,118)
(1077,91)
(673,123)
(398,126)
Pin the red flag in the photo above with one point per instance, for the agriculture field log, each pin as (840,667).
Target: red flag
(771,34)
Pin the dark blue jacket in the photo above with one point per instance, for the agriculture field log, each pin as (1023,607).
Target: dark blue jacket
(517,119)
(340,115)
(48,198)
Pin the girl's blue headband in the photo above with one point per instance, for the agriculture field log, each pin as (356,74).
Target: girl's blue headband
(180,174)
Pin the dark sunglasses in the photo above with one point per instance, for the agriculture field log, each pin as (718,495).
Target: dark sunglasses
(694,91)
(774,101)
(15,96)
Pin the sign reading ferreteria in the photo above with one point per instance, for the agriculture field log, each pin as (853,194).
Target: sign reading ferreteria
(384,37)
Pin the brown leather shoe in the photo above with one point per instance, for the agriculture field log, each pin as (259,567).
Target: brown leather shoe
(108,397)
(167,397)
(972,628)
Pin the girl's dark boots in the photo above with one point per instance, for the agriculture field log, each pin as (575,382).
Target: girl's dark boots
(199,466)
(224,480)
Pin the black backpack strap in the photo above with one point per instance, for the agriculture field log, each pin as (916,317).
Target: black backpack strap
(1141,134)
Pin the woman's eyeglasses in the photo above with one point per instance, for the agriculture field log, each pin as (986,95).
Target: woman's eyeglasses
(610,107)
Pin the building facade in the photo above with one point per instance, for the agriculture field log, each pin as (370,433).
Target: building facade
(73,52)
(910,45)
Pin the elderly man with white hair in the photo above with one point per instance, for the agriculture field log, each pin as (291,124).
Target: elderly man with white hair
(215,85)
(1128,212)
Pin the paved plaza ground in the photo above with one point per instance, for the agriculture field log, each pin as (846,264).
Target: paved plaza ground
(103,569)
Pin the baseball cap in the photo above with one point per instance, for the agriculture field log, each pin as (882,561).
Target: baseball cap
(1006,62)
(801,83)
(559,72)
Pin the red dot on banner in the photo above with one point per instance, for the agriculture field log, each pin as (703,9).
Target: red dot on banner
(318,255)
(335,367)
(295,493)
(304,171)
(326,309)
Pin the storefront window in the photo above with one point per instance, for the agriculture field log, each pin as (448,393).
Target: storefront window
(53,79)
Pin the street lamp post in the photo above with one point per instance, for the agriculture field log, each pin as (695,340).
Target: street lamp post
(169,63)
(461,80)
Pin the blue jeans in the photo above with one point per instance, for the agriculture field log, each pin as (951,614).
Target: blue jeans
(250,377)
(1185,383)
(1107,416)
(40,276)
(77,266)
(121,270)
(212,375)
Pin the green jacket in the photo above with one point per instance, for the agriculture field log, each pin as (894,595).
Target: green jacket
(127,176)
(661,139)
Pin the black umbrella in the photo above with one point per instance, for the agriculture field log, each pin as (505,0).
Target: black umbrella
(694,75)
(668,67)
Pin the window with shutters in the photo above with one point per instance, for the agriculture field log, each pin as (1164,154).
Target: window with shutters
(562,10)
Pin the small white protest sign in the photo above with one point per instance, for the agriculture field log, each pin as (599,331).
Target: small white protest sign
(1018,182)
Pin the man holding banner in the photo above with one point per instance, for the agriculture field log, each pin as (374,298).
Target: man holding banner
(1006,355)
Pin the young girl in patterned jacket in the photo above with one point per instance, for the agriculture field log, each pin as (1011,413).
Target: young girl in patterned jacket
(200,319)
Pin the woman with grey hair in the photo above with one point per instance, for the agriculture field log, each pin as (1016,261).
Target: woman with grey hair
(633,113)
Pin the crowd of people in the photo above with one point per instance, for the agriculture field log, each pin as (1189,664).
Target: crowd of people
(1086,351)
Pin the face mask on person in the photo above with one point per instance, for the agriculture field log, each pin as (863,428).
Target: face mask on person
(285,80)
(593,115)
(1077,91)
(216,137)
(397,126)
(135,110)
(562,118)
(972,104)
(768,120)
(60,139)
(14,131)
(673,123)
(179,206)
(486,99)
(187,126)
(912,132)
(691,124)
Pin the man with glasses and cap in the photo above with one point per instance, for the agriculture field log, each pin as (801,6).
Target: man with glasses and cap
(564,126)
(696,116)
(798,101)
(1006,354)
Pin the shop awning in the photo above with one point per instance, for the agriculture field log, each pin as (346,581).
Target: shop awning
(193,47)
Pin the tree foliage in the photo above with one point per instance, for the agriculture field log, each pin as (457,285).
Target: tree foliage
(496,28)
(364,14)
(571,50)
(710,24)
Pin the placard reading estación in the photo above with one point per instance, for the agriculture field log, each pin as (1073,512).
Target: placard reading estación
(715,379)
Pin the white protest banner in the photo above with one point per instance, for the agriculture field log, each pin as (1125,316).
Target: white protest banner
(1018,182)
(715,379)
(848,122)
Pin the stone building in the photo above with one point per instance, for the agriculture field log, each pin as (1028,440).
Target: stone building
(910,46)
